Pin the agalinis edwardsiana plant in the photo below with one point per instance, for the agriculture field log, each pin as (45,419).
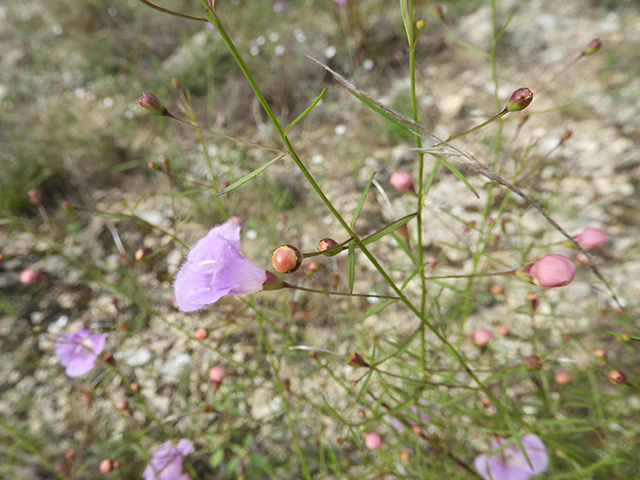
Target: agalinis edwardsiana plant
(78,351)
(214,268)
(510,463)
(166,462)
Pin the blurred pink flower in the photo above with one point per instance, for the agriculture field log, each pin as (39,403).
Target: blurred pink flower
(591,238)
(78,351)
(214,268)
(340,2)
(166,462)
(548,272)
(510,463)
(402,181)
(481,336)
(278,6)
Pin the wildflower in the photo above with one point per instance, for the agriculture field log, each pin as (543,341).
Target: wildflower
(403,182)
(214,268)
(78,351)
(548,272)
(591,238)
(418,412)
(481,336)
(373,441)
(520,99)
(510,463)
(30,276)
(166,462)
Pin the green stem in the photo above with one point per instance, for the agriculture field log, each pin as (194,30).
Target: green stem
(213,18)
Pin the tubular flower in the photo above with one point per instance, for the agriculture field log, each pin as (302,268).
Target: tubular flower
(214,268)
(166,462)
(510,463)
(78,351)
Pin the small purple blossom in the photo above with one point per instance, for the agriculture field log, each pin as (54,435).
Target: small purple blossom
(340,2)
(214,268)
(166,462)
(421,415)
(278,6)
(78,351)
(510,463)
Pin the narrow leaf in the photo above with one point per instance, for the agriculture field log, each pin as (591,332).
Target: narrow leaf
(363,197)
(386,231)
(302,115)
(352,265)
(246,178)
(457,173)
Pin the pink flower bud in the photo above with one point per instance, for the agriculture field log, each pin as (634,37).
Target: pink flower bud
(593,47)
(532,362)
(30,276)
(105,466)
(481,337)
(140,254)
(402,181)
(234,218)
(550,271)
(286,259)
(150,104)
(503,331)
(201,334)
(326,245)
(34,196)
(438,11)
(217,374)
(520,99)
(591,238)
(562,378)
(66,206)
(356,360)
(373,441)
(618,377)
(311,268)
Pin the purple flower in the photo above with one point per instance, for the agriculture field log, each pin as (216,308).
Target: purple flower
(340,2)
(278,6)
(214,268)
(510,463)
(166,462)
(422,416)
(78,351)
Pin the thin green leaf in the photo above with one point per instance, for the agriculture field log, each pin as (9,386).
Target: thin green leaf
(386,231)
(246,178)
(302,115)
(472,48)
(363,197)
(352,265)
(376,309)
(405,19)
(457,173)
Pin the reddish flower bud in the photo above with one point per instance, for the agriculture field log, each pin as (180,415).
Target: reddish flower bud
(496,290)
(581,259)
(361,413)
(140,254)
(150,104)
(134,386)
(601,356)
(502,330)
(273,282)
(30,276)
(116,464)
(549,272)
(108,358)
(153,166)
(373,441)
(618,377)
(201,334)
(327,245)
(421,24)
(520,99)
(591,238)
(403,182)
(217,374)
(34,196)
(532,362)
(356,360)
(593,47)
(66,206)
(438,11)
(311,268)
(481,337)
(105,466)
(566,135)
(286,259)
(562,378)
